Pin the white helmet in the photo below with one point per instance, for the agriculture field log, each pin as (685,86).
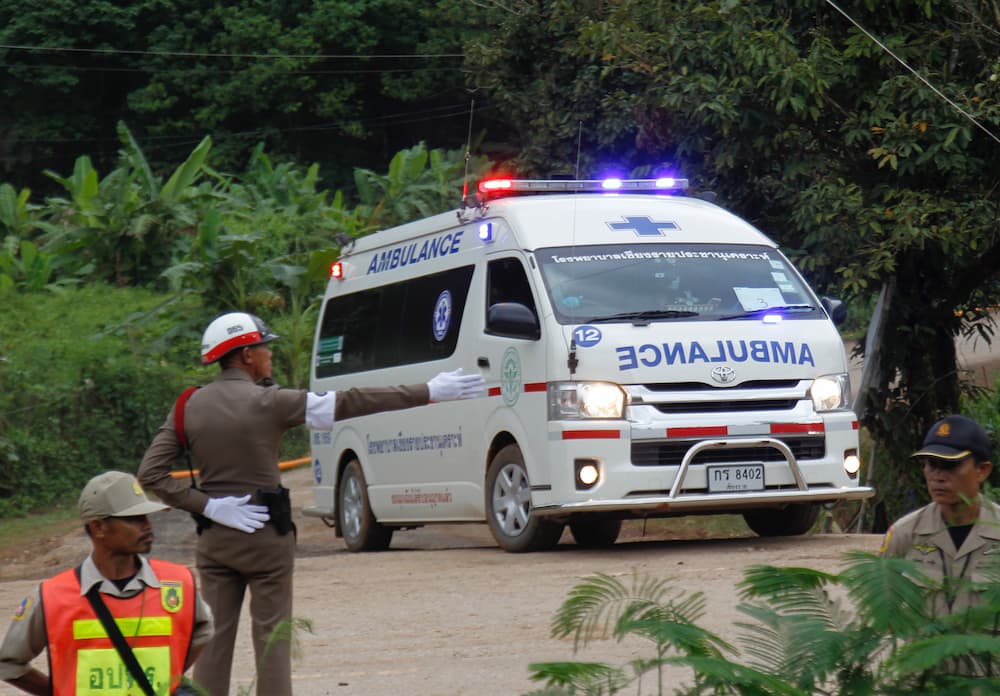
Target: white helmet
(233,330)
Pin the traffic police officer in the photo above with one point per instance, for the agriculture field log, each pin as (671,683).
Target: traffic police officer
(234,426)
(958,533)
(161,614)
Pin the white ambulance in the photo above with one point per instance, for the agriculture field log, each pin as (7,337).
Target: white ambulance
(646,354)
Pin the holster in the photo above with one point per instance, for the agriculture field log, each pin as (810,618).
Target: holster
(201,523)
(279,506)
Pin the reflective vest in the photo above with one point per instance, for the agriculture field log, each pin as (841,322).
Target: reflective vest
(157,623)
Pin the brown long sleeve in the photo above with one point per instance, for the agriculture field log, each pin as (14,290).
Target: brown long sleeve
(365,400)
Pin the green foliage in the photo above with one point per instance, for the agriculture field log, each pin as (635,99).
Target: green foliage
(332,81)
(22,266)
(869,629)
(116,356)
(419,183)
(804,126)
(603,606)
(289,631)
(15,211)
(126,228)
(89,400)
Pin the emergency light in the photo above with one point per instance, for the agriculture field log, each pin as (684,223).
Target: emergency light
(337,270)
(493,188)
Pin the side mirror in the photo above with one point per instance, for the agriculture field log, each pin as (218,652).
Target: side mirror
(512,319)
(836,309)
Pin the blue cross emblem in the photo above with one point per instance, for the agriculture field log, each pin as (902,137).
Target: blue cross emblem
(643,226)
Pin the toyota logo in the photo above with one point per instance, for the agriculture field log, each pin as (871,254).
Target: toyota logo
(723,374)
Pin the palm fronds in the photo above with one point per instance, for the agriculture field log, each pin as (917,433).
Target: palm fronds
(865,631)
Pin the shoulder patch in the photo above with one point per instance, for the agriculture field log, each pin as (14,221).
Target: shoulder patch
(171,595)
(22,609)
(885,541)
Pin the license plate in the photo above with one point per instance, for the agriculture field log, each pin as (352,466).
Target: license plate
(735,478)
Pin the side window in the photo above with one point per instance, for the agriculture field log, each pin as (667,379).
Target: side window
(409,322)
(507,282)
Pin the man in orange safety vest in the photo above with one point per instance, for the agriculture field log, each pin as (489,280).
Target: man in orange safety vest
(155,604)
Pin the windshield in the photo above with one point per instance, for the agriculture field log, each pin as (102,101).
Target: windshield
(671,282)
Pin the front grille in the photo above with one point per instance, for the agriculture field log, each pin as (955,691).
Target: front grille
(695,386)
(660,453)
(718,406)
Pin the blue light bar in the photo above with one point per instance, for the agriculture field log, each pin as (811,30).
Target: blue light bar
(502,187)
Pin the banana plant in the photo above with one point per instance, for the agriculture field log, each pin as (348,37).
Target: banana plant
(22,266)
(16,214)
(127,227)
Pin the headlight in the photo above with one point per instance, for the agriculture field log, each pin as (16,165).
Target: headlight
(578,400)
(831,392)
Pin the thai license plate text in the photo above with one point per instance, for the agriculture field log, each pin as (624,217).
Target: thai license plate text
(735,478)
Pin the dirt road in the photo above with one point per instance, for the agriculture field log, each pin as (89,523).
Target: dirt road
(445,612)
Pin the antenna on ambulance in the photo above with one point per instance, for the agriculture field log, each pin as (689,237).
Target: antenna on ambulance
(468,156)
(478,204)
(579,139)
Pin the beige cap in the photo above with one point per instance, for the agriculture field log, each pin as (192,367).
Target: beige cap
(115,494)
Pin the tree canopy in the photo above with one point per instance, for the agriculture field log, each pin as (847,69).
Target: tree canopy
(805,125)
(862,135)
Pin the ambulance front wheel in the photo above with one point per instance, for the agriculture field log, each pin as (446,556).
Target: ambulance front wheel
(354,513)
(791,520)
(508,506)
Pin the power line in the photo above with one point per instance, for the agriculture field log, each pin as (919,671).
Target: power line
(83,68)
(160,142)
(257,56)
(915,73)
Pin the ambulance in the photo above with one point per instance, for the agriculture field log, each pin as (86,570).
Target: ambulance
(646,354)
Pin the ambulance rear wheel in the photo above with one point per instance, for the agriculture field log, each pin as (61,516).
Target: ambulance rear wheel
(595,534)
(792,520)
(508,506)
(354,513)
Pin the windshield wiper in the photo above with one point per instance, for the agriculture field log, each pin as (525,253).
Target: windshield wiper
(645,316)
(776,308)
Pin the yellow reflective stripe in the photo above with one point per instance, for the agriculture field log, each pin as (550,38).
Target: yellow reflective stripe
(143,626)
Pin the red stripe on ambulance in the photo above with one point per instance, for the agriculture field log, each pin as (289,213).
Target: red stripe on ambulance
(591,434)
(779,428)
(723,430)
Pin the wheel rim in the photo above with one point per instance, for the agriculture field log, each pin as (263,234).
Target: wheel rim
(352,506)
(511,500)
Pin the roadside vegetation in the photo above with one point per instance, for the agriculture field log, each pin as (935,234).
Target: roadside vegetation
(864,630)
(107,287)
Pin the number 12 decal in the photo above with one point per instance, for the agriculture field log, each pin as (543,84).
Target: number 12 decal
(587,336)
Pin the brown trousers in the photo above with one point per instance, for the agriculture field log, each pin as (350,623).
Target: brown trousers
(230,562)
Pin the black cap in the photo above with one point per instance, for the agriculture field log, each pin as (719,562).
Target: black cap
(954,438)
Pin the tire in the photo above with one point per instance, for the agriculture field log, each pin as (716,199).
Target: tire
(354,513)
(793,520)
(595,534)
(508,506)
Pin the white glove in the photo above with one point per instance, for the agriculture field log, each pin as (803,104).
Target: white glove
(448,386)
(237,513)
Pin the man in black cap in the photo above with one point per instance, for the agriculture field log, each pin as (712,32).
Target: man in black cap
(952,536)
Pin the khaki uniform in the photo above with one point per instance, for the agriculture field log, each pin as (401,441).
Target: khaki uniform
(26,639)
(922,536)
(234,428)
